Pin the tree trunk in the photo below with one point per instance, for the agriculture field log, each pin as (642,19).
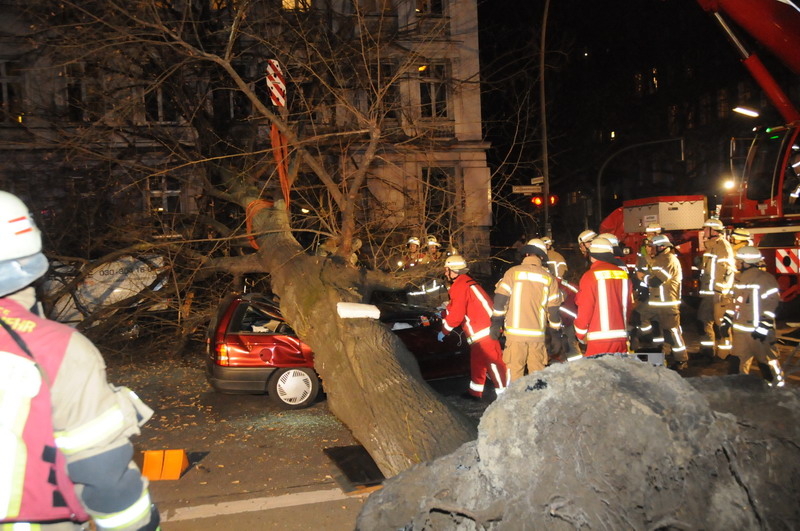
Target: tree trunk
(372,381)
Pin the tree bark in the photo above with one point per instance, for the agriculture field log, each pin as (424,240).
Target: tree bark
(372,381)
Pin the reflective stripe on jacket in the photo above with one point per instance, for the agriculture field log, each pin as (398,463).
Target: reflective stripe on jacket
(469,307)
(755,295)
(605,302)
(523,297)
(716,273)
(665,280)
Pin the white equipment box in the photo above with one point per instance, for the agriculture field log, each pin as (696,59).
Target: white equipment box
(672,212)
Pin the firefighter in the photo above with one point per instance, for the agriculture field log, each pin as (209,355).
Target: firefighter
(664,284)
(556,263)
(66,430)
(605,301)
(584,239)
(432,252)
(755,296)
(739,238)
(716,279)
(644,315)
(413,254)
(471,308)
(526,301)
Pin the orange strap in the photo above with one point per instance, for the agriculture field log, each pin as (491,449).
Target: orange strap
(252,209)
(281,152)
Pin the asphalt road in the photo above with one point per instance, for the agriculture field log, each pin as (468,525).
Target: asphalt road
(255,466)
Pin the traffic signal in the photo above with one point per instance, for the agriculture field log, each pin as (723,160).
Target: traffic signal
(538,200)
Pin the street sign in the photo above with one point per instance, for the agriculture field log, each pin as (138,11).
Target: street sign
(527,189)
(275,83)
(537,180)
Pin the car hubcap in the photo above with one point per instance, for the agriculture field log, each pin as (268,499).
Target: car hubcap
(294,386)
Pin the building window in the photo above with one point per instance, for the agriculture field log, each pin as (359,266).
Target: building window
(163,195)
(438,186)
(11,109)
(430,7)
(159,106)
(385,93)
(74,95)
(433,90)
(296,5)
(723,104)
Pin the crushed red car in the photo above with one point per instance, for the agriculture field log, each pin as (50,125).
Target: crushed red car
(250,349)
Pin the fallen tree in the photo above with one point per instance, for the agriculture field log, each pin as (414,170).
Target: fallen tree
(612,444)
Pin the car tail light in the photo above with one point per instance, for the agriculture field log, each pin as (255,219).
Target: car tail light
(222,355)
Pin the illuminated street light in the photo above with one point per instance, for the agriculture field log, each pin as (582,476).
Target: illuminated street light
(747,111)
(729,184)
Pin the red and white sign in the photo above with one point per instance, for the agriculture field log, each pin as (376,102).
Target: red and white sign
(787,260)
(276,83)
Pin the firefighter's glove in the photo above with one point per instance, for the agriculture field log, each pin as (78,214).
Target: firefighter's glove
(725,325)
(440,337)
(642,292)
(765,324)
(496,329)
(760,333)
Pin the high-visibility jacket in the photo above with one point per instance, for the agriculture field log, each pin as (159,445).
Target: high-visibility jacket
(527,298)
(755,297)
(556,263)
(91,425)
(717,270)
(605,302)
(469,307)
(569,307)
(664,281)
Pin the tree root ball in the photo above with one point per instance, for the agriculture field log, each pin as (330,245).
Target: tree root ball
(612,443)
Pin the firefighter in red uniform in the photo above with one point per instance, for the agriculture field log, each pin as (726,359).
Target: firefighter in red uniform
(471,308)
(605,301)
(67,453)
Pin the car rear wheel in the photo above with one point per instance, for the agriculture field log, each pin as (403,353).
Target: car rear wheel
(294,388)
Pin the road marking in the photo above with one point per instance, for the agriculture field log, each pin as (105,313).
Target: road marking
(255,504)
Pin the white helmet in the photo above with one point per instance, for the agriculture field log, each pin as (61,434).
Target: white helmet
(21,258)
(749,255)
(601,245)
(535,247)
(740,234)
(586,236)
(613,240)
(660,240)
(653,228)
(413,240)
(548,241)
(433,241)
(714,224)
(456,263)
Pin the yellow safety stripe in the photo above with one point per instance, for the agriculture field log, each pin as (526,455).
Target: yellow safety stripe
(135,513)
(20,526)
(93,432)
(608,274)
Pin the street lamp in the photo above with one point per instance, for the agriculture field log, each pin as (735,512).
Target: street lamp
(603,167)
(746,111)
(729,183)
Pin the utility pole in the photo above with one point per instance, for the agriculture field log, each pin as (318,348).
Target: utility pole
(543,115)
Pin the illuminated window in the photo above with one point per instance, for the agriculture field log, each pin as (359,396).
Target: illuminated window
(163,195)
(296,5)
(11,109)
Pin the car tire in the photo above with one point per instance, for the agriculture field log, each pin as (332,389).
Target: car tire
(293,388)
